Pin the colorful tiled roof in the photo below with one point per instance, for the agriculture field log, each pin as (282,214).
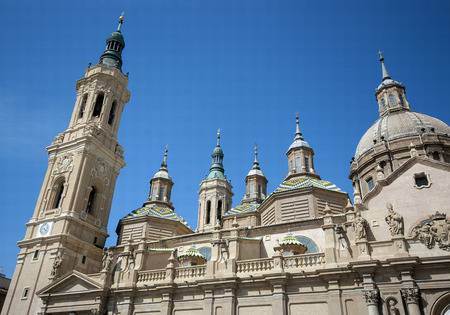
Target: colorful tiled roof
(304,182)
(158,211)
(289,239)
(245,207)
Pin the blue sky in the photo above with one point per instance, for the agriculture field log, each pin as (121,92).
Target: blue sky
(244,66)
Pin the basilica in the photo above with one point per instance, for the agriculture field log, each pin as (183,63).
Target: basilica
(304,248)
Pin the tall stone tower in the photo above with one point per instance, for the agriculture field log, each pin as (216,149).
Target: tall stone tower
(215,192)
(68,228)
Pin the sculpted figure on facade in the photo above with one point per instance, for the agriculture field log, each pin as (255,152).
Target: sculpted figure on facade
(433,231)
(107,259)
(394,221)
(371,296)
(56,265)
(360,225)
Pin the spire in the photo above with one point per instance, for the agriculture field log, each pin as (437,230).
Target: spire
(216,170)
(115,43)
(255,161)
(384,72)
(256,168)
(298,133)
(164,161)
(163,171)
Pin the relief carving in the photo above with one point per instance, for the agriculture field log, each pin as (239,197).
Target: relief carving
(371,296)
(433,231)
(394,221)
(64,164)
(101,170)
(411,295)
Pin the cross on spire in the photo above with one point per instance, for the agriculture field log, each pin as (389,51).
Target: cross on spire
(121,19)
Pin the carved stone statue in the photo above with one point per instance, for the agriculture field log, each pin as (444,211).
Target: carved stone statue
(360,225)
(107,259)
(56,265)
(394,220)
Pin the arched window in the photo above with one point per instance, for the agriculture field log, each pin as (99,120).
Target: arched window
(307,164)
(91,200)
(391,99)
(161,193)
(82,106)
(98,105)
(58,195)
(259,190)
(208,212)
(112,113)
(370,183)
(436,156)
(219,210)
(298,165)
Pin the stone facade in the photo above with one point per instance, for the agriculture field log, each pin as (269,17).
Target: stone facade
(305,248)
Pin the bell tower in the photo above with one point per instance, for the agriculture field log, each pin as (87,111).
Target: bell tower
(68,228)
(215,193)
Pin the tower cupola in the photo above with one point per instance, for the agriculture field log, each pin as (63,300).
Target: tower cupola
(161,184)
(255,182)
(115,43)
(300,154)
(390,94)
(215,193)
(217,170)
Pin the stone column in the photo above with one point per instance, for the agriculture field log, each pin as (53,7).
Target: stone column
(334,297)
(411,297)
(208,302)
(166,303)
(330,237)
(372,297)
(279,299)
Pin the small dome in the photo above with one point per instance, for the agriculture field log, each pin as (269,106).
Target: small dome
(397,125)
(161,174)
(116,36)
(254,171)
(389,82)
(298,143)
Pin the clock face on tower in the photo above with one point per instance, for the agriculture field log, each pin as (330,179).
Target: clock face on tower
(44,228)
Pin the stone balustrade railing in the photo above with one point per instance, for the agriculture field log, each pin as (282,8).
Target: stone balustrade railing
(254,265)
(152,275)
(304,261)
(190,272)
(259,265)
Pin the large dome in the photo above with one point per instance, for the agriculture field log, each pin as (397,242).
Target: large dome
(397,125)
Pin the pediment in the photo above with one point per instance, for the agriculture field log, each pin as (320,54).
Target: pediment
(73,283)
(402,169)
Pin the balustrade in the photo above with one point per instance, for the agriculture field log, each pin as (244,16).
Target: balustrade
(304,261)
(254,265)
(190,272)
(152,275)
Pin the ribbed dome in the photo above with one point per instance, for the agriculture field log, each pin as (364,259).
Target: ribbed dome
(397,125)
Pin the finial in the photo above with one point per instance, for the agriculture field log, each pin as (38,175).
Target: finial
(384,72)
(298,133)
(255,151)
(218,137)
(164,161)
(121,18)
